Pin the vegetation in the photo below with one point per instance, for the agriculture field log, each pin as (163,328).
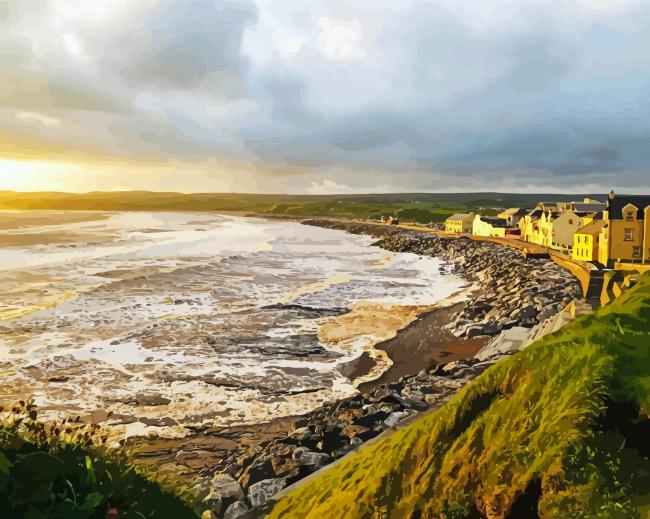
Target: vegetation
(64,470)
(418,207)
(558,430)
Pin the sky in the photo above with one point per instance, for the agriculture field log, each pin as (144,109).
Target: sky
(319,97)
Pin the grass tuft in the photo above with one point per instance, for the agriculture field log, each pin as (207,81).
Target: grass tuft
(557,430)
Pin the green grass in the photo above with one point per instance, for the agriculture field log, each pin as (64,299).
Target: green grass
(419,207)
(63,470)
(562,426)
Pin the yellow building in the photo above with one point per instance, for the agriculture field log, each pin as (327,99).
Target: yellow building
(489,226)
(543,229)
(626,234)
(537,226)
(512,216)
(586,241)
(527,228)
(566,224)
(460,223)
(553,224)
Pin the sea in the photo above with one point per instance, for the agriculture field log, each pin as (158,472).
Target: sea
(163,322)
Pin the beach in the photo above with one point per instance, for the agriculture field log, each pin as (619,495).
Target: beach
(168,323)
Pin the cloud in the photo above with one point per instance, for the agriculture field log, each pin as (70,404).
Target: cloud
(187,45)
(401,96)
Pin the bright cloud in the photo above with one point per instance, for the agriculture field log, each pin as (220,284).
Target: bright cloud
(243,95)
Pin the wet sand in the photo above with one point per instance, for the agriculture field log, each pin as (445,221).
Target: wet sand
(423,344)
(418,346)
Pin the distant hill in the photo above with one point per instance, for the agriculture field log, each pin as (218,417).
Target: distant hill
(559,430)
(420,207)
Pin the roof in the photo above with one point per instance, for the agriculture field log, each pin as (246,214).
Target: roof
(615,205)
(513,211)
(592,227)
(461,216)
(554,206)
(589,206)
(495,222)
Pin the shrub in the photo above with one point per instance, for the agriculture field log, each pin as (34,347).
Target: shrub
(65,470)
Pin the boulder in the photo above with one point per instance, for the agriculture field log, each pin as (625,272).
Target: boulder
(368,420)
(236,510)
(394,418)
(332,440)
(260,469)
(260,493)
(223,486)
(356,431)
(311,459)
(284,466)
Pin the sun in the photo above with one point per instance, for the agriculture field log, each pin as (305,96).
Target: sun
(29,175)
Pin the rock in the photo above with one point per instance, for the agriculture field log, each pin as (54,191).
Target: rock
(453,366)
(258,471)
(332,440)
(368,420)
(416,403)
(260,493)
(311,459)
(305,437)
(350,415)
(236,510)
(222,487)
(394,419)
(208,514)
(353,431)
(474,331)
(233,469)
(392,398)
(285,467)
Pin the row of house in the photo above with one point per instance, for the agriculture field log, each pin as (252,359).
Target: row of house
(501,225)
(617,230)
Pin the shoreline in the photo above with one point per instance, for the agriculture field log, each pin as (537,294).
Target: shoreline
(508,290)
(254,454)
(221,447)
(423,345)
(428,356)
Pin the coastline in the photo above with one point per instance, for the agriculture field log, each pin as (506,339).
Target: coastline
(221,447)
(507,290)
(416,358)
(423,345)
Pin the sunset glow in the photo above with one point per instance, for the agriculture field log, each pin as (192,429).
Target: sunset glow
(333,97)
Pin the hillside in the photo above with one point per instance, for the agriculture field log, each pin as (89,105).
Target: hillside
(420,207)
(558,430)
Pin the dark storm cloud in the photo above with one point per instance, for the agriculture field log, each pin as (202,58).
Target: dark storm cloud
(476,95)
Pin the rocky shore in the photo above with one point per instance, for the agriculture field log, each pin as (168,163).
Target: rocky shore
(513,291)
(245,485)
(517,291)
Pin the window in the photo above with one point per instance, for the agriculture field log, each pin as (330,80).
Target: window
(629,215)
(629,234)
(636,252)
(570,221)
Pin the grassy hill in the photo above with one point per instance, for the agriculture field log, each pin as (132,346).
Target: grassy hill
(561,429)
(420,207)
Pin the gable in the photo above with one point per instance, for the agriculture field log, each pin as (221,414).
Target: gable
(615,205)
